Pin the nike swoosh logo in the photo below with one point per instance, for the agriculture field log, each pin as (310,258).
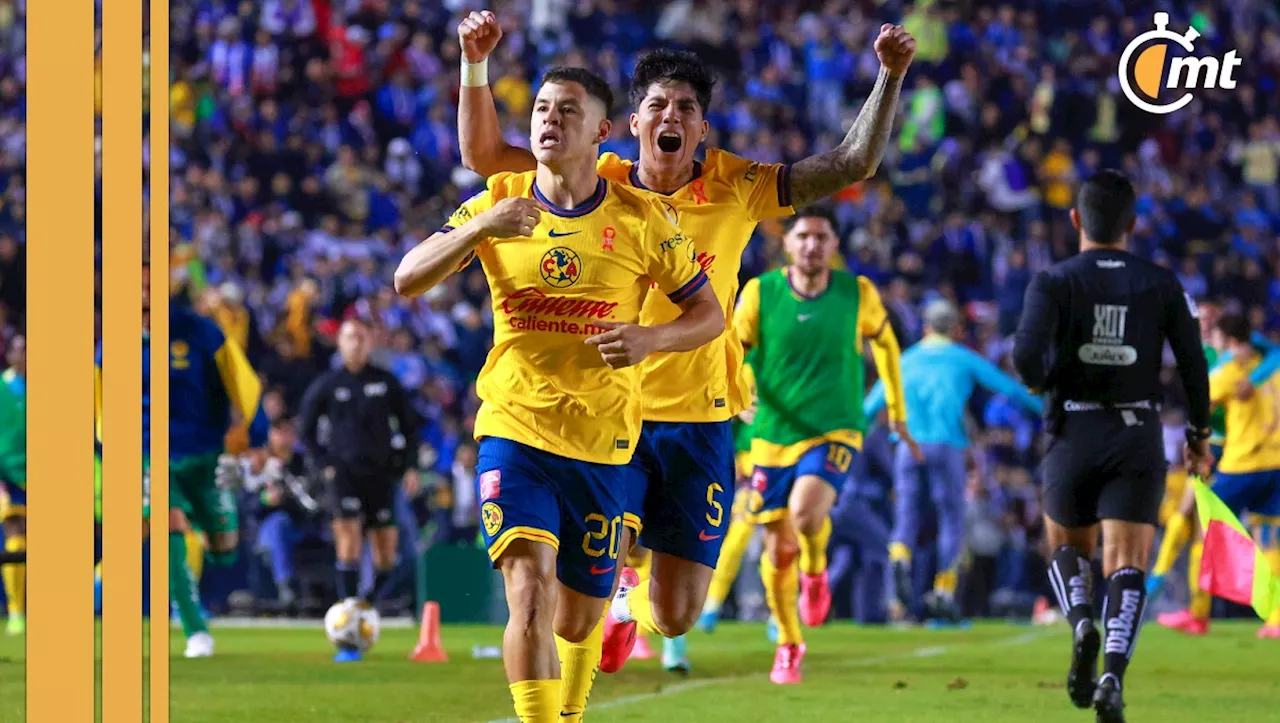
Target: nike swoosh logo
(702,535)
(595,570)
(552,233)
(803,317)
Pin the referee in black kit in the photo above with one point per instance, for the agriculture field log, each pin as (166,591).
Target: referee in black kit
(1091,338)
(365,450)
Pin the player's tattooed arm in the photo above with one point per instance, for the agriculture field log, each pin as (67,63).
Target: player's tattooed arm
(859,155)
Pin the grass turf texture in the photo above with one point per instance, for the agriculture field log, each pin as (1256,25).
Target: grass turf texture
(993,673)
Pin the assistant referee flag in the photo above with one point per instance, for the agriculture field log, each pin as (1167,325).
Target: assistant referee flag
(1233,567)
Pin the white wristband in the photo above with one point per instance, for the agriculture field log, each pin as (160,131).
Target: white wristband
(475,75)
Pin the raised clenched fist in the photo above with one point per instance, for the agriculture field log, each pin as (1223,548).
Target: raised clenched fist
(478,34)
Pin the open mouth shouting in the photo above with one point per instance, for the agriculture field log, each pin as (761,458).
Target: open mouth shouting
(670,141)
(550,138)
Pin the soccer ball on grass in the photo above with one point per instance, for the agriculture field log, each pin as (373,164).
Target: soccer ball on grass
(352,623)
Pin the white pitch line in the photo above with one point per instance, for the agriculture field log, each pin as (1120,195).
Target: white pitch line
(677,688)
(1028,637)
(246,623)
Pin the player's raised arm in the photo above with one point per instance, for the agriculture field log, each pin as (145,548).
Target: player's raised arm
(479,133)
(453,246)
(859,155)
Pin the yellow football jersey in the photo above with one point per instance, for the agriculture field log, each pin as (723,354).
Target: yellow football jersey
(1253,425)
(541,385)
(720,208)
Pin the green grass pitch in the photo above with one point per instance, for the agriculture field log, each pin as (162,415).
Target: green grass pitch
(990,674)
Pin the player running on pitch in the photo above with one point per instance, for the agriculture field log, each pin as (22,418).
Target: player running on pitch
(569,256)
(209,376)
(687,449)
(806,325)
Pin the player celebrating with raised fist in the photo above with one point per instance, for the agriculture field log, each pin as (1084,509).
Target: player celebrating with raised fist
(569,257)
(686,453)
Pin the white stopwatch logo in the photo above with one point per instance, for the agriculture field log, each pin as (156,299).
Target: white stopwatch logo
(1187,72)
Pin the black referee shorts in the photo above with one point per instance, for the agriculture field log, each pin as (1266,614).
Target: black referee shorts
(368,498)
(1105,465)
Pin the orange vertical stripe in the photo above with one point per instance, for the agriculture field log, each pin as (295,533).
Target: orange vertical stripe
(60,137)
(122,361)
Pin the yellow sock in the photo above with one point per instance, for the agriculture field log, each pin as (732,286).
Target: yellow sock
(641,563)
(195,553)
(537,701)
(578,665)
(1273,559)
(1176,534)
(1201,600)
(640,605)
(899,552)
(813,550)
(15,577)
(944,583)
(736,540)
(782,592)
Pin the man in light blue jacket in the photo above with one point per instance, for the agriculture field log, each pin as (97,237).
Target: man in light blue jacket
(938,377)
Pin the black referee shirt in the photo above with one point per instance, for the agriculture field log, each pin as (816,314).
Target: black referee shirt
(1093,330)
(359,407)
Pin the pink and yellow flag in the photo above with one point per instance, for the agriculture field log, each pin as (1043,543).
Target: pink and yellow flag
(1233,567)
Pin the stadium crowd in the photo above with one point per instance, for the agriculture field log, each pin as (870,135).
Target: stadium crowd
(314,141)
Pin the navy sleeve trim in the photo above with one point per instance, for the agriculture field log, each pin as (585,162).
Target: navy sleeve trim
(784,186)
(684,293)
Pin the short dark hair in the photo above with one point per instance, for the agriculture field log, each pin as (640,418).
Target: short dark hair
(1236,327)
(1106,204)
(821,212)
(595,86)
(681,66)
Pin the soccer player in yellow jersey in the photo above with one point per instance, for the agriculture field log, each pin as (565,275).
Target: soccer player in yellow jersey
(687,452)
(1248,475)
(569,257)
